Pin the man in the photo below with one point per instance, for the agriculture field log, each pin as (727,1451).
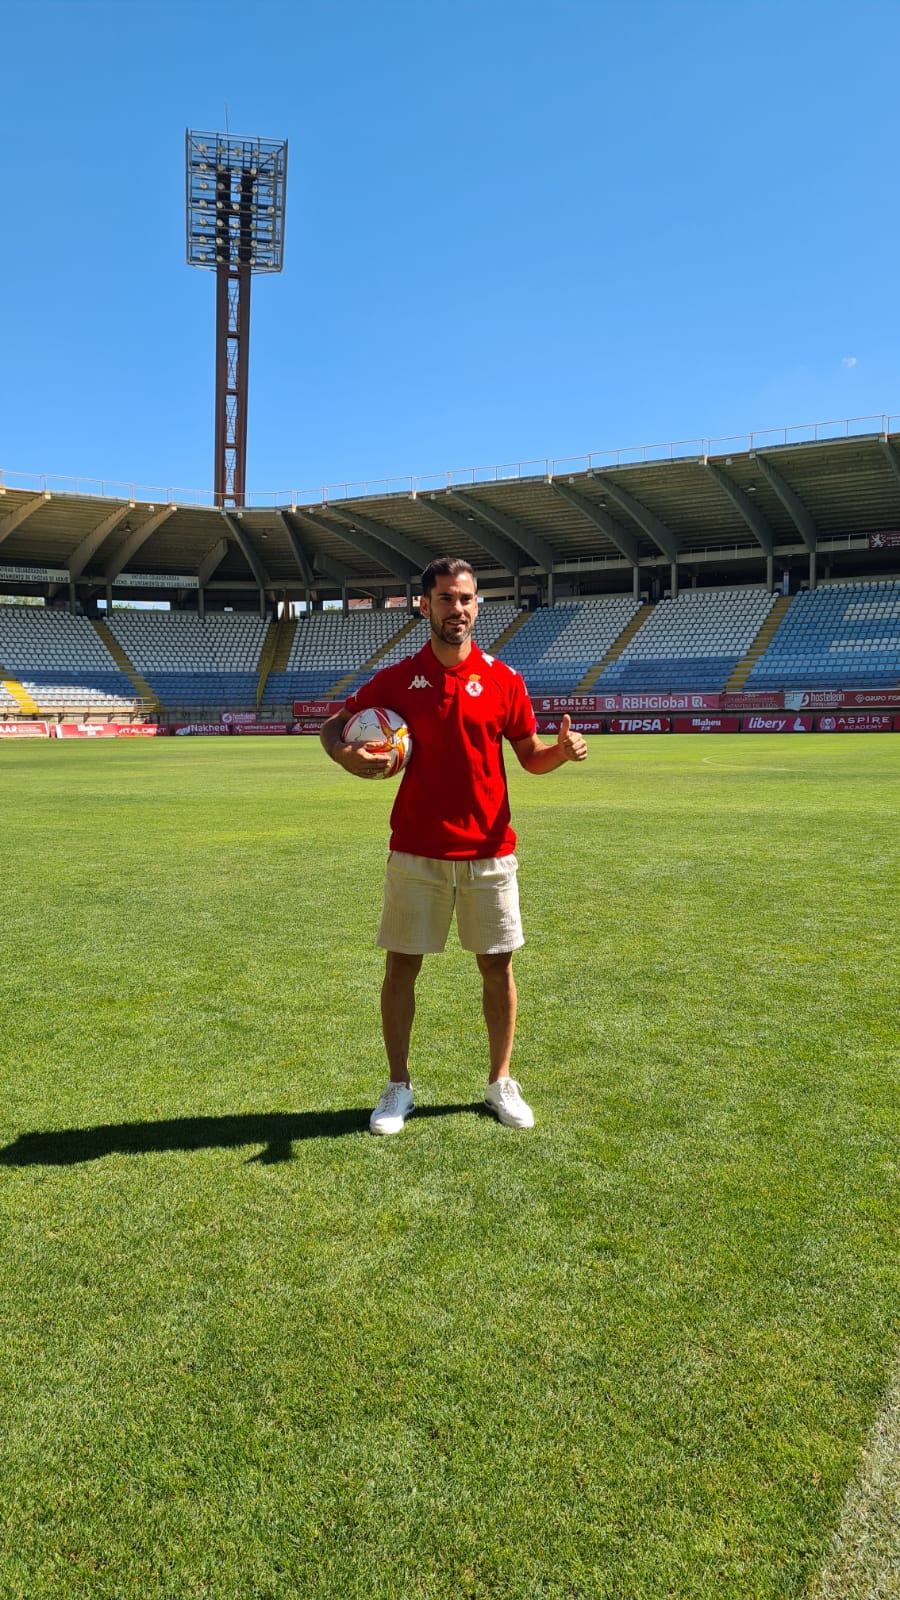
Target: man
(451,841)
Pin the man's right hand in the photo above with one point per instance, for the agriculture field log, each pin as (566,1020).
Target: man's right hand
(363,760)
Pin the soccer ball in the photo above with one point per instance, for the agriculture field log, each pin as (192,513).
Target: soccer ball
(376,725)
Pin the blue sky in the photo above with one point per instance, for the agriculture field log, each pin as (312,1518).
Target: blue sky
(514,230)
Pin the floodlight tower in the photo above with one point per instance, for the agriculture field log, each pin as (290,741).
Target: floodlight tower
(235,192)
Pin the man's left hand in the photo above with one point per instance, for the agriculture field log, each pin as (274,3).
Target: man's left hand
(570,743)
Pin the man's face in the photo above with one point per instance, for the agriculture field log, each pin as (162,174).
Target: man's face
(451,608)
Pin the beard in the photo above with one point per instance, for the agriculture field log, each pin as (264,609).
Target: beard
(452,633)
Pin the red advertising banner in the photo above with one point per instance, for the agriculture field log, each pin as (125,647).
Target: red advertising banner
(109,730)
(316,708)
(260,727)
(836,699)
(885,541)
(238,716)
(206,728)
(856,722)
(706,725)
(640,725)
(659,702)
(785,724)
(305,726)
(574,703)
(762,700)
(580,724)
(24,730)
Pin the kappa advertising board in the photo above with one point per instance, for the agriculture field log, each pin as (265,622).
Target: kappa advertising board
(24,730)
(579,724)
(786,724)
(858,722)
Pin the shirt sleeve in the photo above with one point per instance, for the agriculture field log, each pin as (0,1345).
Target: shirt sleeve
(521,722)
(370,693)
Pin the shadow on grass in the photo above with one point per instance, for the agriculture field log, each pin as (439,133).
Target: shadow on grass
(276,1130)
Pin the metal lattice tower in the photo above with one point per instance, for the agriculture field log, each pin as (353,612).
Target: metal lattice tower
(235,190)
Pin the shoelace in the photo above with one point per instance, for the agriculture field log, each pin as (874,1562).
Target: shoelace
(509,1089)
(392,1093)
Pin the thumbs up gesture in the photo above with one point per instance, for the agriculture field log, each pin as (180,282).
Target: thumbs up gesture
(571,744)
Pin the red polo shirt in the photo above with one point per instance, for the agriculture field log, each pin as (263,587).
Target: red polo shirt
(452,802)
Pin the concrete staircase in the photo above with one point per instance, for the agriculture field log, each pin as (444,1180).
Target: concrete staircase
(759,646)
(273,657)
(615,650)
(26,705)
(149,700)
(337,689)
(509,633)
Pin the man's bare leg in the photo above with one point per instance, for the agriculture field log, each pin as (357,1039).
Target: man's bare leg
(398,1007)
(499,1003)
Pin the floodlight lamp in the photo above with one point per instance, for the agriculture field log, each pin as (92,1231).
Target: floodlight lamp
(47,495)
(151,508)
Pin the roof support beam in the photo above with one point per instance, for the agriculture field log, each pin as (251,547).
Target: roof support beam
(27,509)
(91,543)
(298,550)
(133,542)
(742,503)
(210,562)
(647,520)
(328,566)
(625,542)
(792,503)
(263,581)
(533,545)
(409,549)
(504,553)
(373,548)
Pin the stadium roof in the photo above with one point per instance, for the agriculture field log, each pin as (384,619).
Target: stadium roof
(716,512)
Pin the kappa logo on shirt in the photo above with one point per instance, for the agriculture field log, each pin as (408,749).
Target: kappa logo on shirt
(474,685)
(420,682)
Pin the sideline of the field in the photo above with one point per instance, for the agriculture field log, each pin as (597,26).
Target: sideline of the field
(864,1563)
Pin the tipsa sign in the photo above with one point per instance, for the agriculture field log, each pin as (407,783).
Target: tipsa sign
(640,724)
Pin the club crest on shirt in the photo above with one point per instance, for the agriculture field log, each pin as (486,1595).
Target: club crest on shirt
(474,684)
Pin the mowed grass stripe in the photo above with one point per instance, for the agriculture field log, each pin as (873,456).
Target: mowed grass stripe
(249,1350)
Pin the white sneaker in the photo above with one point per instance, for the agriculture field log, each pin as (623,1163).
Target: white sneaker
(392,1109)
(504,1098)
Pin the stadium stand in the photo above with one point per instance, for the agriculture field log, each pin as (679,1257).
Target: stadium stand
(193,663)
(844,636)
(556,647)
(58,660)
(494,620)
(691,642)
(327,646)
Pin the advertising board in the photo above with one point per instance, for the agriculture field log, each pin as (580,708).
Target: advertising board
(856,722)
(580,724)
(640,725)
(786,724)
(706,725)
(24,730)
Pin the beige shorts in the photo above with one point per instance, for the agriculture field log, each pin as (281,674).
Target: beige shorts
(420,895)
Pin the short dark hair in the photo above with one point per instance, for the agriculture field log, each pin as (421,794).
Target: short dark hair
(445,567)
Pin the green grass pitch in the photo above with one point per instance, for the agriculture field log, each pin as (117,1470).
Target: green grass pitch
(248,1352)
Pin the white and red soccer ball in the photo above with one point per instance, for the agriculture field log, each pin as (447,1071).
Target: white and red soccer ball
(384,729)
